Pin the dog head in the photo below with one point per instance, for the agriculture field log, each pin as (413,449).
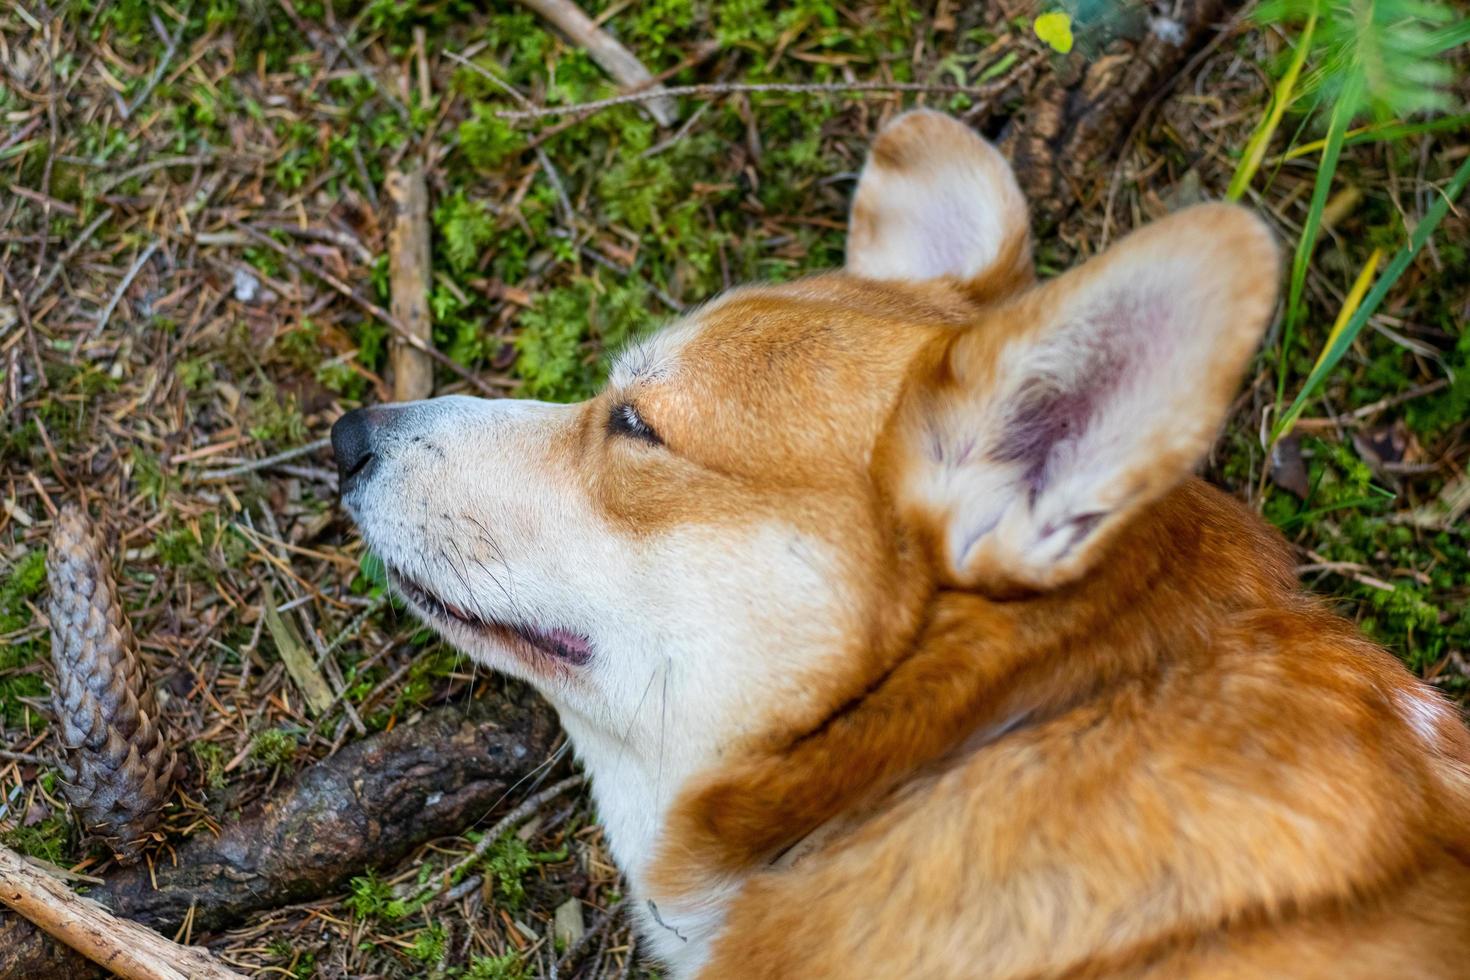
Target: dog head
(746,522)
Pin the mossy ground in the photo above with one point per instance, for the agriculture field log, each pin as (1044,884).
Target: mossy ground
(226,132)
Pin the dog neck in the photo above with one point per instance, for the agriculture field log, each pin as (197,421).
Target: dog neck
(688,832)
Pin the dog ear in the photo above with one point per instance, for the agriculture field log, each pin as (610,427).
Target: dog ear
(937,201)
(1043,428)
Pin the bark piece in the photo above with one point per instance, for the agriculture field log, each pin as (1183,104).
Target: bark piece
(603,48)
(409,271)
(126,948)
(365,807)
(117,769)
(1066,136)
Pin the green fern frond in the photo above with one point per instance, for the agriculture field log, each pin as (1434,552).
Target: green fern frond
(1386,55)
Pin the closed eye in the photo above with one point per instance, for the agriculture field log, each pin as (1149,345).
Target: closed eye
(624,420)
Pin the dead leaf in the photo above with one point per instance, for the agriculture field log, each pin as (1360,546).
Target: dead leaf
(1288,469)
(298,660)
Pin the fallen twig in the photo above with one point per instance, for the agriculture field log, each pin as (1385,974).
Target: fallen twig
(122,287)
(511,819)
(171,45)
(82,238)
(592,936)
(265,463)
(409,272)
(126,948)
(731,88)
(616,60)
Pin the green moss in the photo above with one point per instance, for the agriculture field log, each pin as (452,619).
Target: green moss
(274,746)
(210,759)
(487,140)
(297,964)
(24,581)
(507,966)
(508,861)
(465,228)
(430,945)
(565,328)
(425,673)
(204,553)
(49,839)
(372,898)
(20,675)
(1424,613)
(276,417)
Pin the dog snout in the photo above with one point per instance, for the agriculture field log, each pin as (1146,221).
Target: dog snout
(354,443)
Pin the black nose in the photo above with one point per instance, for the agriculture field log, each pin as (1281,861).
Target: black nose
(352,444)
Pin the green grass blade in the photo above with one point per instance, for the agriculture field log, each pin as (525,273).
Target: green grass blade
(1385,132)
(1342,114)
(1400,262)
(1281,96)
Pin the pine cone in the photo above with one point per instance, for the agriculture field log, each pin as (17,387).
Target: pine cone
(117,769)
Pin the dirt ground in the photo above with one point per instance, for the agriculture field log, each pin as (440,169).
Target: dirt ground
(193,241)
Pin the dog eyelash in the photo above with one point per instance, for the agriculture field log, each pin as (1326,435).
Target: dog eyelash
(624,420)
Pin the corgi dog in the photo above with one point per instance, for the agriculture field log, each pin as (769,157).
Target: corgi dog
(898,640)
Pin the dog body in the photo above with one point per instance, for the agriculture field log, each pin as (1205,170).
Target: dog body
(897,640)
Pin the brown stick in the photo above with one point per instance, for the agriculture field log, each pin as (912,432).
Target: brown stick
(409,271)
(366,807)
(616,60)
(126,948)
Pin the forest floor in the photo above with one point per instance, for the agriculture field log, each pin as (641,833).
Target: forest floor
(195,219)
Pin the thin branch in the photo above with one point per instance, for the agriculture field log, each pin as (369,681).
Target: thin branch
(731,88)
(612,56)
(171,46)
(511,819)
(285,456)
(38,290)
(122,287)
(591,937)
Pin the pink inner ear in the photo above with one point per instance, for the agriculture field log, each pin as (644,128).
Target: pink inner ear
(1088,363)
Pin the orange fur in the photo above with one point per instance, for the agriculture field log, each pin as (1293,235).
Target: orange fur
(1170,763)
(965,676)
(1209,774)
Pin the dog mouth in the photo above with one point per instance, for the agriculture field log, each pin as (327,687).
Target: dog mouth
(562,646)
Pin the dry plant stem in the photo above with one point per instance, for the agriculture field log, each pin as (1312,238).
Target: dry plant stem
(117,768)
(591,937)
(122,287)
(265,463)
(616,60)
(409,272)
(366,807)
(735,88)
(126,948)
(510,820)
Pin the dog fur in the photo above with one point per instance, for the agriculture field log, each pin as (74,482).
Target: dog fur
(897,639)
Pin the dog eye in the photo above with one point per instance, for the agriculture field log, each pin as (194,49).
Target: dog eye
(624,420)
